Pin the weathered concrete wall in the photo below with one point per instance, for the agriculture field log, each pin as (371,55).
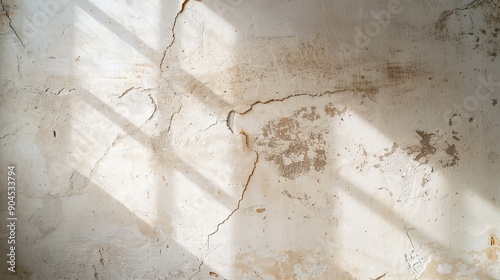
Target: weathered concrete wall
(231,139)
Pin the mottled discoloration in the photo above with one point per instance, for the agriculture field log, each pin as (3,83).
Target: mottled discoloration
(399,73)
(288,265)
(331,110)
(452,152)
(293,149)
(307,113)
(424,149)
(362,83)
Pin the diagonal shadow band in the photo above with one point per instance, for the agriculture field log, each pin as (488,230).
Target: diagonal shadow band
(119,30)
(138,135)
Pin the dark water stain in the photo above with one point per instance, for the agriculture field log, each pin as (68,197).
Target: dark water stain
(452,152)
(424,149)
(401,72)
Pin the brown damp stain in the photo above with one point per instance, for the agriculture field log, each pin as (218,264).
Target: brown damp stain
(365,84)
(331,110)
(293,150)
(387,153)
(311,55)
(247,262)
(307,113)
(424,149)
(493,251)
(494,102)
(281,129)
(453,269)
(398,73)
(260,210)
(392,151)
(101,258)
(286,266)
(289,58)
(452,152)
(450,121)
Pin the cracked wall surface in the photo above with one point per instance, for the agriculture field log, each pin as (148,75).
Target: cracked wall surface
(231,139)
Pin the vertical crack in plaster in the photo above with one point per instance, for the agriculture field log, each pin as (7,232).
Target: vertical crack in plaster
(101,158)
(198,271)
(183,6)
(230,120)
(172,118)
(10,23)
(154,111)
(240,200)
(408,235)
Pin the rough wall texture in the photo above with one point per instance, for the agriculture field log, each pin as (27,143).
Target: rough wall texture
(231,139)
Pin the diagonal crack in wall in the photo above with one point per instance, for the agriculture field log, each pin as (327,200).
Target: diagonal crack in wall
(242,196)
(10,134)
(172,118)
(101,158)
(10,23)
(183,7)
(198,271)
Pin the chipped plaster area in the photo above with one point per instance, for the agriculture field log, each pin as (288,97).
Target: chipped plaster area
(232,139)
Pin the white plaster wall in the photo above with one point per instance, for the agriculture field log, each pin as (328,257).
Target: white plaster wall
(231,139)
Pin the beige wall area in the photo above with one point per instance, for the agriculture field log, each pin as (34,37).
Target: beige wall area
(232,139)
